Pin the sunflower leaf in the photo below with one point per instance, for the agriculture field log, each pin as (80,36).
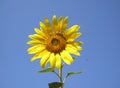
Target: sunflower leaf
(46,70)
(72,73)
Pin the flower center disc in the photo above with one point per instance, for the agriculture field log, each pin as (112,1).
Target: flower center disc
(56,43)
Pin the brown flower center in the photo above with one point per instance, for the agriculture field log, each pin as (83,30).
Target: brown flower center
(56,43)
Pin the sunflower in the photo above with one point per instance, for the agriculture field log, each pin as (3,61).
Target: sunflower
(55,42)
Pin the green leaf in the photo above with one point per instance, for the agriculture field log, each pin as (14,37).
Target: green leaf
(46,70)
(72,73)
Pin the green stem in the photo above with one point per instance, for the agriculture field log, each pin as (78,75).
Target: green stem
(60,76)
(56,74)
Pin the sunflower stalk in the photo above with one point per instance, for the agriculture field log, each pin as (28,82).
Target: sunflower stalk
(60,76)
(56,74)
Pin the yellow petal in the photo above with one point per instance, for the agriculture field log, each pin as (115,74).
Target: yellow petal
(54,20)
(36,48)
(55,24)
(33,42)
(36,36)
(44,59)
(35,57)
(79,47)
(40,32)
(66,57)
(72,29)
(72,50)
(37,30)
(58,61)
(39,55)
(48,26)
(43,27)
(60,20)
(65,24)
(73,36)
(47,22)
(77,43)
(52,60)
(75,47)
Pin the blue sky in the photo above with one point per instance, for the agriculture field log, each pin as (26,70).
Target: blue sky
(99,61)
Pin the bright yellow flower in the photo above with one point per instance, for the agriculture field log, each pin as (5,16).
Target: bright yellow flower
(55,43)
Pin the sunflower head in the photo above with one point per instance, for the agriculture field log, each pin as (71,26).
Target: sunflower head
(54,42)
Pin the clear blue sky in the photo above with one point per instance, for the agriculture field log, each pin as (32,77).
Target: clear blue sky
(100,25)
